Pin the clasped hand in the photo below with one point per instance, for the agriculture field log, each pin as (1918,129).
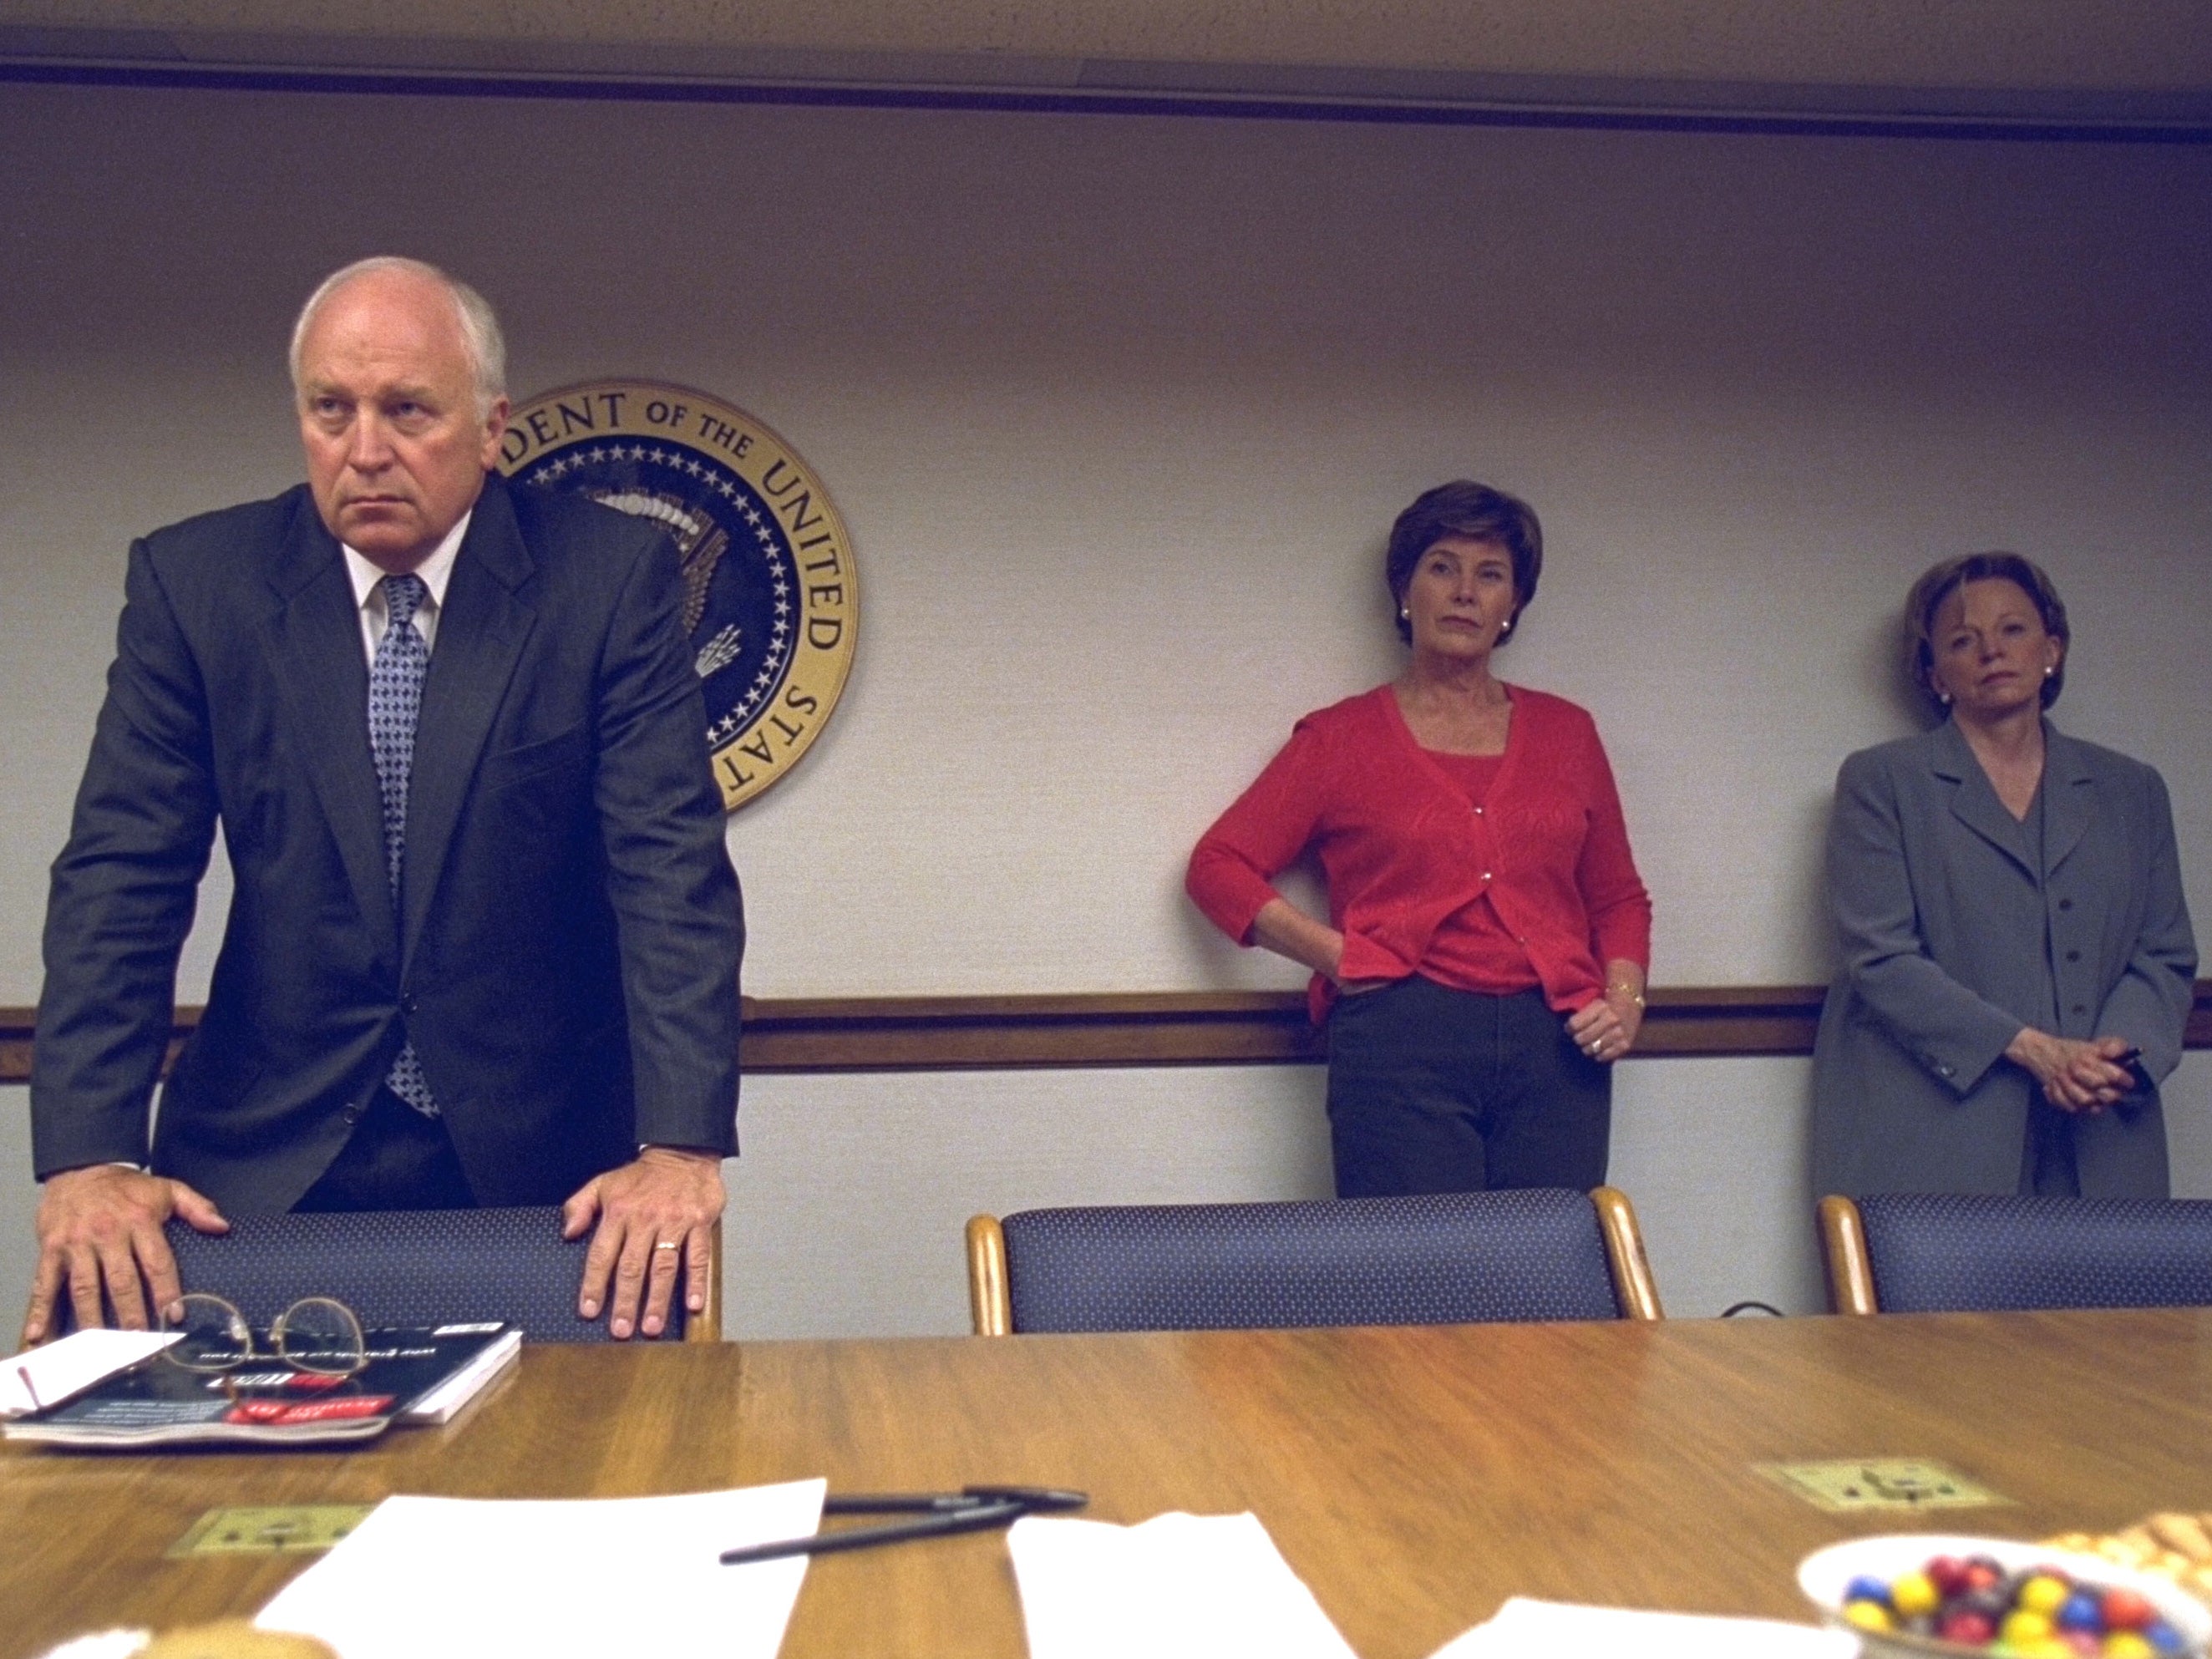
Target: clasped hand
(2076,1075)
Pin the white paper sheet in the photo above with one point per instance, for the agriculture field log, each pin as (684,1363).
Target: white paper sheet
(1178,1585)
(1527,1629)
(423,1577)
(74,1363)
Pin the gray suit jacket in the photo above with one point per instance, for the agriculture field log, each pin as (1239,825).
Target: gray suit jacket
(1945,958)
(565,954)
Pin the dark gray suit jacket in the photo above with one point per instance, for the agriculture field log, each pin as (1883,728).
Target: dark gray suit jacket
(565,954)
(1950,946)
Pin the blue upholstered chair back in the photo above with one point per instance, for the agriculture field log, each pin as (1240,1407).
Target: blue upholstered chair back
(400,1267)
(1938,1252)
(1439,1259)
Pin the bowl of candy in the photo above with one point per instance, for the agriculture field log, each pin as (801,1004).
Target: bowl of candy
(1922,1594)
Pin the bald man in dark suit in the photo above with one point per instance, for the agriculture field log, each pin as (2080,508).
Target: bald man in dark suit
(483,938)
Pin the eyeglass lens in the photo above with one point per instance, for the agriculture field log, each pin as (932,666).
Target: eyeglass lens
(321,1335)
(213,1336)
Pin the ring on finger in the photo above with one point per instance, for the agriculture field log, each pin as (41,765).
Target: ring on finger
(667,1244)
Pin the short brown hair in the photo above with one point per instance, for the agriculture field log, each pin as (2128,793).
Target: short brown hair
(1939,582)
(1463,508)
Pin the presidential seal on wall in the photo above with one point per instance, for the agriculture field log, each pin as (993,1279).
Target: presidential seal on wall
(771,598)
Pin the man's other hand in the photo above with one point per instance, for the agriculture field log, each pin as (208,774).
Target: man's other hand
(100,1237)
(650,1212)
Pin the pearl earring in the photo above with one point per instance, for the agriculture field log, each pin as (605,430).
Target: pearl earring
(1405,613)
(2048,672)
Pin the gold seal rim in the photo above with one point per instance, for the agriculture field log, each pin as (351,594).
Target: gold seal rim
(829,669)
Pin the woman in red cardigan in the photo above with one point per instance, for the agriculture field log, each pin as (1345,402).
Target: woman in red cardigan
(1484,960)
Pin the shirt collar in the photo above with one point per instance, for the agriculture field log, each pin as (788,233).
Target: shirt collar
(435,571)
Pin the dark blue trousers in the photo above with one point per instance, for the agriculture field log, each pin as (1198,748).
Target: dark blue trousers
(1437,1090)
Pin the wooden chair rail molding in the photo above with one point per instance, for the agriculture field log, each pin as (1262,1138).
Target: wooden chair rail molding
(1154,1028)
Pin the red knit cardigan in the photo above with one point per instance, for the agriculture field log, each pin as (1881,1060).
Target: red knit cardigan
(1403,849)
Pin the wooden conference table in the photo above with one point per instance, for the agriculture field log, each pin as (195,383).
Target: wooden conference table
(1415,1478)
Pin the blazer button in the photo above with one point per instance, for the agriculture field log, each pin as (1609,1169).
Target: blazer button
(408,1004)
(2066,904)
(2072,956)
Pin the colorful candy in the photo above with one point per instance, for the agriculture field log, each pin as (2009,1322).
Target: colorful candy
(2043,1613)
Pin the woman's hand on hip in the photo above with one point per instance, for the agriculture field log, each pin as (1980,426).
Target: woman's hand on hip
(2076,1076)
(1287,931)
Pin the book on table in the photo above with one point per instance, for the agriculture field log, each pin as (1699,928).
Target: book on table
(408,1376)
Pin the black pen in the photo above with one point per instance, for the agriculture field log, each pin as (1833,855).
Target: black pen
(937,1503)
(975,1509)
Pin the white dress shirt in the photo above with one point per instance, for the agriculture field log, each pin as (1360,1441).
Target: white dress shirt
(435,571)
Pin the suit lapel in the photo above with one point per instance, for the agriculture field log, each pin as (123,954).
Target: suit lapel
(1974,802)
(480,630)
(313,643)
(2069,796)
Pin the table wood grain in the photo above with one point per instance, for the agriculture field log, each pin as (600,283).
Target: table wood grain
(1414,1477)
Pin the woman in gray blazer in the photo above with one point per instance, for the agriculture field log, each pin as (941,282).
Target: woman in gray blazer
(2017,959)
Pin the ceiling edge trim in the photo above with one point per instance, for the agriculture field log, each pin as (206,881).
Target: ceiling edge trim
(155,60)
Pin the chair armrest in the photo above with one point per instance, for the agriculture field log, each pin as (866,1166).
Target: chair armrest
(989,1304)
(1634,1286)
(706,1326)
(1844,1254)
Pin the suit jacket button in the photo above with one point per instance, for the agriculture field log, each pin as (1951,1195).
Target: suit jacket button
(2066,904)
(408,1004)
(351,1115)
(2072,956)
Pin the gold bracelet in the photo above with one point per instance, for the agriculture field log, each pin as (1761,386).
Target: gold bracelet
(1635,995)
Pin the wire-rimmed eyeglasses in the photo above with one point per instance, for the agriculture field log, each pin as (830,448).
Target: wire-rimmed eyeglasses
(316,1334)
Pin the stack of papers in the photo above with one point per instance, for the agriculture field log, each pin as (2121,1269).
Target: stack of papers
(39,1377)
(1175,1585)
(425,1577)
(1183,1585)
(1526,1629)
(408,1376)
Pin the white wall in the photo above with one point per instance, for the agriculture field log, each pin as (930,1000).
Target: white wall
(1118,410)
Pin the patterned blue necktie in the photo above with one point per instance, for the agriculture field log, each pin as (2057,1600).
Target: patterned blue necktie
(395,699)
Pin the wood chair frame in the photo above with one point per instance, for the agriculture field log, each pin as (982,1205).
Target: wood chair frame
(706,1326)
(1844,1256)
